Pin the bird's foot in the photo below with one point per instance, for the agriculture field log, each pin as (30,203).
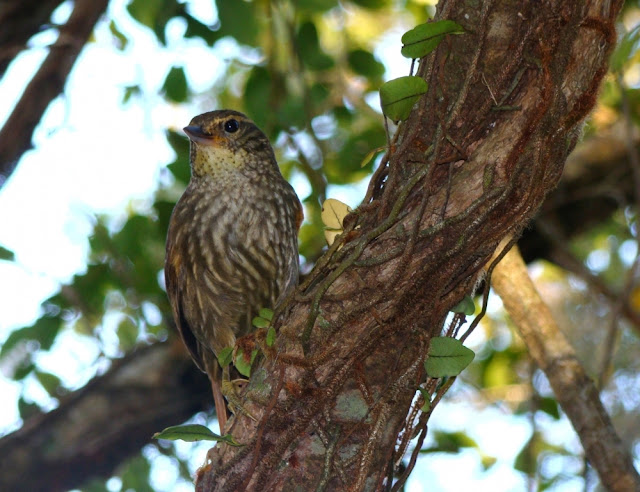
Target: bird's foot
(231,391)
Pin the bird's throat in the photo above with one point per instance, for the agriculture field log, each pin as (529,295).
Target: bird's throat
(218,162)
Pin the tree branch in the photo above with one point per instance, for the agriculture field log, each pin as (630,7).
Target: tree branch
(574,390)
(148,390)
(17,132)
(21,19)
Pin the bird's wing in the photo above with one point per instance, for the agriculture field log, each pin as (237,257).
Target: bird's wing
(299,211)
(174,278)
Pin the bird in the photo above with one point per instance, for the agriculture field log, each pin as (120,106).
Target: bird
(232,243)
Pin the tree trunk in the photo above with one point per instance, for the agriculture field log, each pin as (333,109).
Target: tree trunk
(471,165)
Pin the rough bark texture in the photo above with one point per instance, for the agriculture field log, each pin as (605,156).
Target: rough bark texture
(575,390)
(470,166)
(48,83)
(150,389)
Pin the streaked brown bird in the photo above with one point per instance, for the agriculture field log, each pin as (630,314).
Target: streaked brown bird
(232,244)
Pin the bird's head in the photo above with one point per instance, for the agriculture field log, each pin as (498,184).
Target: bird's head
(226,142)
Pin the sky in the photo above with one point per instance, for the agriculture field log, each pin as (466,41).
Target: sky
(94,155)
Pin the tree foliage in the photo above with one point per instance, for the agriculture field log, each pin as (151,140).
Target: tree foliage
(309,73)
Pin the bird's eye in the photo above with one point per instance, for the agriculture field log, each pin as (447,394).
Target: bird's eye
(231,126)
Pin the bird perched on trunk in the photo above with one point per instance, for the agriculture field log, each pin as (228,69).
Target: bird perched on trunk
(232,244)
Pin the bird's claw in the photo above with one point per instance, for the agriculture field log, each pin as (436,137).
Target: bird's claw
(231,391)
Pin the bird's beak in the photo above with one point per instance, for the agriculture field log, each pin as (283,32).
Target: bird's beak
(196,135)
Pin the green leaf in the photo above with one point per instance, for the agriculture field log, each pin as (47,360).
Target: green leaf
(43,331)
(290,113)
(271,336)
(447,357)
(398,96)
(50,382)
(27,409)
(91,288)
(163,209)
(6,254)
(259,322)
(95,485)
(196,29)
(427,399)
(364,63)
(315,6)
(625,50)
(145,11)
(155,14)
(465,306)
(180,167)
(225,356)
(450,442)
(127,333)
(308,45)
(25,368)
(423,39)
(129,92)
(135,475)
(319,92)
(347,165)
(369,157)
(242,364)
(550,407)
(371,4)
(257,95)
(266,314)
(121,39)
(527,459)
(175,85)
(193,433)
(487,461)
(239,19)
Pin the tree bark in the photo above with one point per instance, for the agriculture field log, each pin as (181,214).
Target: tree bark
(470,166)
(96,428)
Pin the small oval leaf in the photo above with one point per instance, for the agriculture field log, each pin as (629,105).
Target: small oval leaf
(424,38)
(225,356)
(242,364)
(330,235)
(447,357)
(333,213)
(398,96)
(6,254)
(427,401)
(175,85)
(271,336)
(371,155)
(465,306)
(193,433)
(260,322)
(266,314)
